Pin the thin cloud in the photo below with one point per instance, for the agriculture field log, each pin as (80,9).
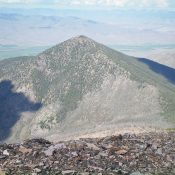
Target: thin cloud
(97,3)
(117,3)
(19,1)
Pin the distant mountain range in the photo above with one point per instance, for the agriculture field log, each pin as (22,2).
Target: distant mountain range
(80,88)
(28,29)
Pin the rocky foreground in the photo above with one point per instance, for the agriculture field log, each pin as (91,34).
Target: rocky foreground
(152,153)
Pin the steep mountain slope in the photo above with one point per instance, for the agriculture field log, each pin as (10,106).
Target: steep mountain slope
(81,87)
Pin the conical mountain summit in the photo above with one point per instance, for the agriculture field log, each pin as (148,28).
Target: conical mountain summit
(88,89)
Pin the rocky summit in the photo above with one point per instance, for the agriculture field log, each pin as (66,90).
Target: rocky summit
(81,88)
(143,154)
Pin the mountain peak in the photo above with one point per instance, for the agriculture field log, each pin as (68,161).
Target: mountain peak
(79,42)
(81,39)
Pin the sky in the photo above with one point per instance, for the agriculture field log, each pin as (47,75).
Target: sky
(127,4)
(143,23)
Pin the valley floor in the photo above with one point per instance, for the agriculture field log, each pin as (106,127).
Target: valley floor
(127,154)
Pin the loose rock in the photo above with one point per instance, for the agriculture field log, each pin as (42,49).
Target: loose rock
(143,154)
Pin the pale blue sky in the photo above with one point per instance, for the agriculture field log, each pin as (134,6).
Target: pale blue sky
(136,4)
(111,22)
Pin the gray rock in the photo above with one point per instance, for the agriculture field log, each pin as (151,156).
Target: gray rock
(74,154)
(37,170)
(68,172)
(51,149)
(6,153)
(103,154)
(159,151)
(136,173)
(154,146)
(92,146)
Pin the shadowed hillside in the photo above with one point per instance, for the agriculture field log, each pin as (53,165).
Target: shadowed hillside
(165,71)
(12,104)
